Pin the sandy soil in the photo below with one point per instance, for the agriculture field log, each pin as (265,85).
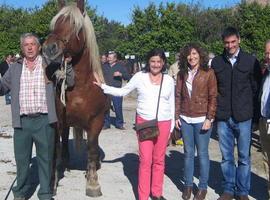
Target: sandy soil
(118,174)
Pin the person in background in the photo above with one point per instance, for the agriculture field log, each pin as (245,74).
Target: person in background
(114,73)
(210,58)
(264,124)
(238,75)
(151,152)
(103,59)
(195,108)
(3,68)
(176,137)
(174,68)
(33,116)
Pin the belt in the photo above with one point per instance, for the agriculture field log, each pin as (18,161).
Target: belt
(33,115)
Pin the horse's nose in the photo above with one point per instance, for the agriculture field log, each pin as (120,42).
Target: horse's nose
(51,49)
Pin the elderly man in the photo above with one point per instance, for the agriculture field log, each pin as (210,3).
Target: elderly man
(33,116)
(265,112)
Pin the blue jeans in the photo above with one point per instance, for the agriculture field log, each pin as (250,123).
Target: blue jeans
(193,137)
(236,179)
(8,98)
(119,120)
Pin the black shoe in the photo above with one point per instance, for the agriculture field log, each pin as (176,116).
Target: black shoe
(121,128)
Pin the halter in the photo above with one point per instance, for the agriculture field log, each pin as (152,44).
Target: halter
(65,42)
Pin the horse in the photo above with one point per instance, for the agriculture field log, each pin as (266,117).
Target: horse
(72,35)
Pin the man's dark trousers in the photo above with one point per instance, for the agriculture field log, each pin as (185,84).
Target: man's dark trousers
(38,130)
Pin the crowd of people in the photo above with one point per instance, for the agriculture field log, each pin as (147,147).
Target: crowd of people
(232,91)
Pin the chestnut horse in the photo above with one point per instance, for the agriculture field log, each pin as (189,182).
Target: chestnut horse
(72,34)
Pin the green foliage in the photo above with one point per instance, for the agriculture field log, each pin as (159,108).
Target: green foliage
(168,26)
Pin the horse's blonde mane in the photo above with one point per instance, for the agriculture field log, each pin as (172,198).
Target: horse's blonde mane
(79,21)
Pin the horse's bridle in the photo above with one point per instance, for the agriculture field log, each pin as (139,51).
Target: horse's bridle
(65,42)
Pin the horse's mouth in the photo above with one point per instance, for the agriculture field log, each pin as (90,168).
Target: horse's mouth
(57,58)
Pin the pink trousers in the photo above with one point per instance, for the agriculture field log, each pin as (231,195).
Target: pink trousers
(152,161)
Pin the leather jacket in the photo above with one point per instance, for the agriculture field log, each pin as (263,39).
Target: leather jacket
(203,100)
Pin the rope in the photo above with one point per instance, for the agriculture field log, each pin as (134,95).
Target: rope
(63,85)
(60,74)
(10,188)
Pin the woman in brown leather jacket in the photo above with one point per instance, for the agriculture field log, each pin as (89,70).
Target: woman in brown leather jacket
(195,107)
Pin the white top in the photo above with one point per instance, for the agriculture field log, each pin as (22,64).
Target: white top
(148,96)
(265,94)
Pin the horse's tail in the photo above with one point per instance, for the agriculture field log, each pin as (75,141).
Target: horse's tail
(78,137)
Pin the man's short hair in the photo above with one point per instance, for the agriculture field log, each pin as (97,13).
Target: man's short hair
(26,35)
(116,56)
(230,31)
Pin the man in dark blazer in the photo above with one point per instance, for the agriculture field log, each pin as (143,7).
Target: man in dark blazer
(238,76)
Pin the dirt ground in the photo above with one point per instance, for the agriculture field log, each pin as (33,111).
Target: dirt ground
(118,173)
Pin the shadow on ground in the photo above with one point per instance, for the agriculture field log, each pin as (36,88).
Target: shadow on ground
(175,171)
(130,162)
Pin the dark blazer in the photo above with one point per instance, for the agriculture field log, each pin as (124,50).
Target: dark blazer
(108,74)
(3,68)
(238,86)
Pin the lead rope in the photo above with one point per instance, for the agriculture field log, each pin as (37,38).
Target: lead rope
(61,74)
(63,85)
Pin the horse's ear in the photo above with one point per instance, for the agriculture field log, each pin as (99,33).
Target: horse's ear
(61,4)
(80,5)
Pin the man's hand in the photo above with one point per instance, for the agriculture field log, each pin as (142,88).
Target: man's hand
(117,74)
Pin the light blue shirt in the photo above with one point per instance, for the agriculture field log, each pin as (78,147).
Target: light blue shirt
(233,58)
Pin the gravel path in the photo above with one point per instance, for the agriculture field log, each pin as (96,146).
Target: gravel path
(118,174)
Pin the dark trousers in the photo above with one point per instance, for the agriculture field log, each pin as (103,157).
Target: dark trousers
(35,130)
(119,120)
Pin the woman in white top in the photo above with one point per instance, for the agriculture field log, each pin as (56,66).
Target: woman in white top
(151,152)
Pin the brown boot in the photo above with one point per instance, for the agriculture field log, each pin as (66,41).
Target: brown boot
(226,196)
(187,193)
(201,194)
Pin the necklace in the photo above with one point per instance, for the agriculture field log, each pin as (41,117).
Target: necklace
(155,80)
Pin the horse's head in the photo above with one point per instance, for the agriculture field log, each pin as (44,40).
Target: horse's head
(67,37)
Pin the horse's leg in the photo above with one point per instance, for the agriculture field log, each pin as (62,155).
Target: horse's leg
(56,163)
(65,150)
(93,188)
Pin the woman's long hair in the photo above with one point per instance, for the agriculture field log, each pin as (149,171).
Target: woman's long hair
(155,52)
(185,52)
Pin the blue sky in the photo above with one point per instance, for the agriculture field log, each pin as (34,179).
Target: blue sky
(120,10)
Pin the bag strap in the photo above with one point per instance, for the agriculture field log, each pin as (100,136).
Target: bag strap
(159,95)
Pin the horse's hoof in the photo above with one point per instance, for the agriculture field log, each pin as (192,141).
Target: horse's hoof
(94,192)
